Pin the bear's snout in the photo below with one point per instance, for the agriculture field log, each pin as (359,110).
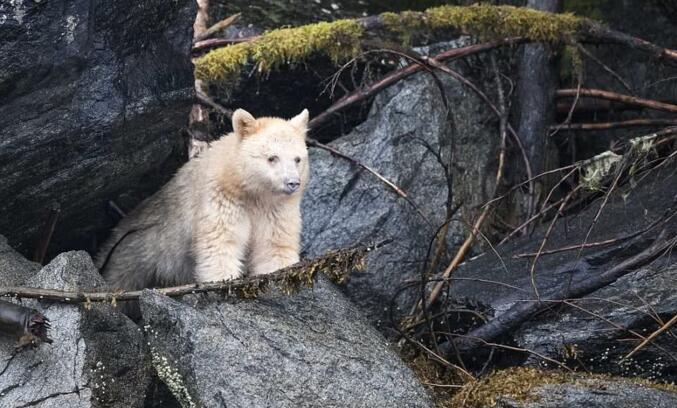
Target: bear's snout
(292,185)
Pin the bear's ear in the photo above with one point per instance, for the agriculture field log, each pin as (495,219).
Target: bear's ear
(300,121)
(243,123)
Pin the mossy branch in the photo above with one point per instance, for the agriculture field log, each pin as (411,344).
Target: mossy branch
(336,265)
(344,39)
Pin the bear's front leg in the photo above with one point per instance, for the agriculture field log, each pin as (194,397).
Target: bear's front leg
(219,244)
(275,242)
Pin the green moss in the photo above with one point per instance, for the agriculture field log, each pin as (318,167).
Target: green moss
(339,40)
(518,383)
(342,39)
(492,22)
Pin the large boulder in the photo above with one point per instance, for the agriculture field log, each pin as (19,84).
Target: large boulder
(98,355)
(92,97)
(408,139)
(310,349)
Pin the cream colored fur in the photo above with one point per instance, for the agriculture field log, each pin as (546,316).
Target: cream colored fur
(229,211)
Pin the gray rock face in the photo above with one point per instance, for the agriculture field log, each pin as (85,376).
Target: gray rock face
(92,97)
(98,355)
(307,350)
(407,128)
(595,394)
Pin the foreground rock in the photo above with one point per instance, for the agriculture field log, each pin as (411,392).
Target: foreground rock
(407,127)
(92,98)
(310,349)
(97,358)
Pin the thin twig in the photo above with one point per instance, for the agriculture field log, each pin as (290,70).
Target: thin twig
(390,184)
(615,125)
(613,96)
(605,67)
(653,335)
(46,235)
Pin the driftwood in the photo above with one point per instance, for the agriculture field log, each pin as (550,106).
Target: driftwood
(336,265)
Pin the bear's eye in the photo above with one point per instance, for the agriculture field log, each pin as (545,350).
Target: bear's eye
(272,159)
(297,160)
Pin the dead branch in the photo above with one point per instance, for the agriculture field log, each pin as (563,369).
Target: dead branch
(220,42)
(389,79)
(615,125)
(523,311)
(653,335)
(221,25)
(46,236)
(613,96)
(203,98)
(336,265)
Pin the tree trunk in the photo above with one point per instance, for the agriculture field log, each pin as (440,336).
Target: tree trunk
(537,83)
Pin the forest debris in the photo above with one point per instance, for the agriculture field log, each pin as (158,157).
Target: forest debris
(28,325)
(598,168)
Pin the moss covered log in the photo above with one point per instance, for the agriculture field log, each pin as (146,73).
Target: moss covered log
(343,39)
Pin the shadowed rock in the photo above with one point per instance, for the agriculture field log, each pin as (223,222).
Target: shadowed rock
(92,98)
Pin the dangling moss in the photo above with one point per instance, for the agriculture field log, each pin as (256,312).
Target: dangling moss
(342,39)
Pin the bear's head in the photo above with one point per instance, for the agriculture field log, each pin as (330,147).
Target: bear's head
(273,152)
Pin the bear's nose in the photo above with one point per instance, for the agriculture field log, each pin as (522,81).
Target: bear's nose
(292,185)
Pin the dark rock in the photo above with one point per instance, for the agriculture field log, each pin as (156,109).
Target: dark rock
(310,349)
(92,97)
(15,269)
(592,334)
(594,393)
(407,127)
(98,356)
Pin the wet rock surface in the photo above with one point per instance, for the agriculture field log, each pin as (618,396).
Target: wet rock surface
(407,138)
(97,357)
(92,97)
(310,349)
